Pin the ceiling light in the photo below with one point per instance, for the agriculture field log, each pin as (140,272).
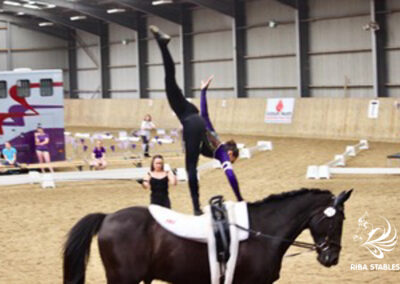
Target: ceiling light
(374,26)
(77,18)
(46,4)
(46,24)
(38,4)
(161,2)
(272,24)
(31,6)
(12,3)
(115,10)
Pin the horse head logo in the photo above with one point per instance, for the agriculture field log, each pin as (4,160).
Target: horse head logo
(376,239)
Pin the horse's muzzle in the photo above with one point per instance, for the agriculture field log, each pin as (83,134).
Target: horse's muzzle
(328,258)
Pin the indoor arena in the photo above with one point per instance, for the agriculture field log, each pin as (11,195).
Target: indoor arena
(197,141)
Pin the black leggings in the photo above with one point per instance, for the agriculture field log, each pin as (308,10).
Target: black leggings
(194,126)
(145,142)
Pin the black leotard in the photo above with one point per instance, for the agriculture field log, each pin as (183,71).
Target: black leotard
(159,191)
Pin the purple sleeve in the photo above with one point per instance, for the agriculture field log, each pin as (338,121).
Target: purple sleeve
(204,109)
(222,156)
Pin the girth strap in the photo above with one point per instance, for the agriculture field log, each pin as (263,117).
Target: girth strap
(220,223)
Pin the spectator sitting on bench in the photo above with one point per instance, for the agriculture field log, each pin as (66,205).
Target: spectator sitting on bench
(10,155)
(98,157)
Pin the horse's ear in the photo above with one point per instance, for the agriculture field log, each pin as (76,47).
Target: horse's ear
(342,197)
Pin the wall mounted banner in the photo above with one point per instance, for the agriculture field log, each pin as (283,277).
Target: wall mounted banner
(373,109)
(279,110)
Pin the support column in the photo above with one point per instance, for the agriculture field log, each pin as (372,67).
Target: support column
(186,37)
(72,66)
(378,28)
(9,47)
(104,61)
(141,52)
(239,48)
(303,39)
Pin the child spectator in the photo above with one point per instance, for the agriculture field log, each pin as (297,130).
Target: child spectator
(99,157)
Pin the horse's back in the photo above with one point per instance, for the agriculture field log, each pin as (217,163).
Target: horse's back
(124,223)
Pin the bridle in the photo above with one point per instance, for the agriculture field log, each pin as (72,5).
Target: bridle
(328,242)
(320,247)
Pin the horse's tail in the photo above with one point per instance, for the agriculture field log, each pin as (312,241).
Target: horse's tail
(77,247)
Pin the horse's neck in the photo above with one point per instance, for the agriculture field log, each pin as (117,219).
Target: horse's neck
(287,218)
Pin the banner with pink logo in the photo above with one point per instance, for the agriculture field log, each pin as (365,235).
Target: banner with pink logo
(279,110)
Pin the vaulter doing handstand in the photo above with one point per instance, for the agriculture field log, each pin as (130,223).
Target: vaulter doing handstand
(198,133)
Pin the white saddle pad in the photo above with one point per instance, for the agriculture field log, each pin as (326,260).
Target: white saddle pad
(197,227)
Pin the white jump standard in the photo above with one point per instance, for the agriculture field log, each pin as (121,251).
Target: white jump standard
(333,167)
(260,147)
(325,171)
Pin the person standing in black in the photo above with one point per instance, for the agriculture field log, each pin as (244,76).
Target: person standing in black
(158,180)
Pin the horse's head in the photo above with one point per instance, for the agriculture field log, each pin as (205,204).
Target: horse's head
(326,228)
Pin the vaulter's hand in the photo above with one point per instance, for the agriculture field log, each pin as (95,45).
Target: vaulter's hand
(204,85)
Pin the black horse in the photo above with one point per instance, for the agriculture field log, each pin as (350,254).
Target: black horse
(134,247)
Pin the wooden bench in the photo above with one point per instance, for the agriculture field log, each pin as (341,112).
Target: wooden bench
(78,164)
(123,162)
(6,169)
(392,157)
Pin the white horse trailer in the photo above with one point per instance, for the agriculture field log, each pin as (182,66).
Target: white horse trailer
(28,99)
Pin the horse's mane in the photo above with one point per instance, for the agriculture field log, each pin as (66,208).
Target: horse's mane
(294,193)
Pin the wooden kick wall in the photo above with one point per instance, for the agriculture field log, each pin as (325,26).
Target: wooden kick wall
(331,118)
